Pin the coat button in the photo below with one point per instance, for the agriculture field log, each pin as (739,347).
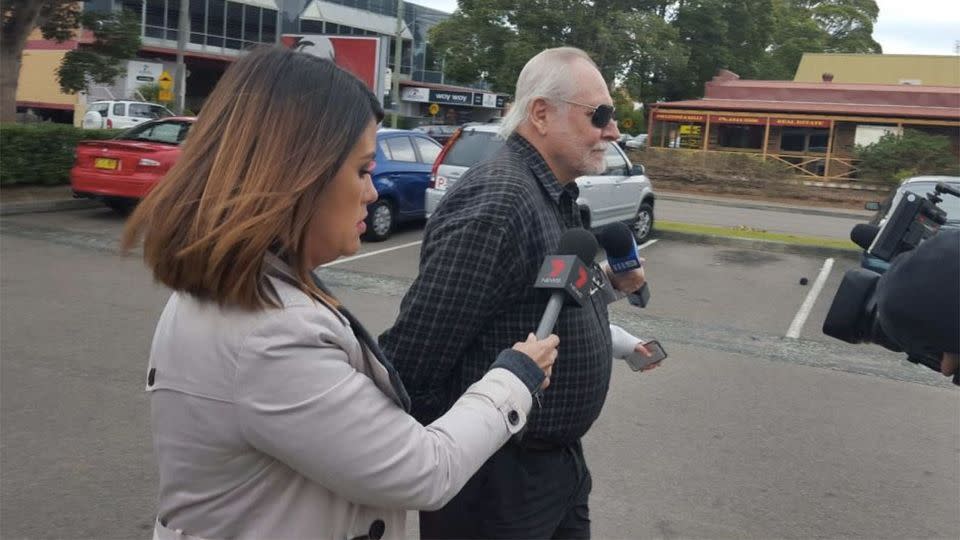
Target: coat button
(377,528)
(513,417)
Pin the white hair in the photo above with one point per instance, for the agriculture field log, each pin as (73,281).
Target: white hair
(547,75)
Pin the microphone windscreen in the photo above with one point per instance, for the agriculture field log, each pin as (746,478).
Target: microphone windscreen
(863,234)
(579,242)
(616,239)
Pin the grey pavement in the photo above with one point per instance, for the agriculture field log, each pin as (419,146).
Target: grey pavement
(741,433)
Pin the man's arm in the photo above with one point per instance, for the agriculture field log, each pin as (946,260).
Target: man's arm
(466,267)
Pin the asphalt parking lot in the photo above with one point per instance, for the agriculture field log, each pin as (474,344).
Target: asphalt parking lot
(743,432)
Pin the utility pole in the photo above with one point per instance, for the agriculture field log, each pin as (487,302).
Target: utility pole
(180,77)
(397,57)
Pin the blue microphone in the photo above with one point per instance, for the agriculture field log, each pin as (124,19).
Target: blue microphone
(623,256)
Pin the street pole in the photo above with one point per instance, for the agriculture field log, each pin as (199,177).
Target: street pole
(180,78)
(397,57)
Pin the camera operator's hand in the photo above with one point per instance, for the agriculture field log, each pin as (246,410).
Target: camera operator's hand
(948,363)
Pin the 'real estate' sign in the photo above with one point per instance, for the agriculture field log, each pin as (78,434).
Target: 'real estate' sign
(800,122)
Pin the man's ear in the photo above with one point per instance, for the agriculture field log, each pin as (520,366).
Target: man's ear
(539,115)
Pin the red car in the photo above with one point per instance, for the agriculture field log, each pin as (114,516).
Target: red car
(121,171)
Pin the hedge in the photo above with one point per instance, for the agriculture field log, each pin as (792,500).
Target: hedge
(41,154)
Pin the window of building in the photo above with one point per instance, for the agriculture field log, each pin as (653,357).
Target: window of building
(311,27)
(251,25)
(173,19)
(234,25)
(737,136)
(198,21)
(216,18)
(268,30)
(155,23)
(807,141)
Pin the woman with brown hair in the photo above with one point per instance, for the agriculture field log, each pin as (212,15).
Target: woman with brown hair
(274,413)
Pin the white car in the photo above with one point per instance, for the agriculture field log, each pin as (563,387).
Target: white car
(622,193)
(122,114)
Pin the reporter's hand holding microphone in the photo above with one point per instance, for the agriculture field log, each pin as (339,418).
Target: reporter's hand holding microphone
(543,352)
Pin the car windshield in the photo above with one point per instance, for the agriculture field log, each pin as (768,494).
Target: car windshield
(170,132)
(950,204)
(147,110)
(472,147)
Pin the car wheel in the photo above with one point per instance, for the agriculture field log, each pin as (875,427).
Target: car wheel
(643,226)
(380,221)
(121,206)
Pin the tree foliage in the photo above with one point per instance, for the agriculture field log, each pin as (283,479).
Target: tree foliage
(116,38)
(658,49)
(896,157)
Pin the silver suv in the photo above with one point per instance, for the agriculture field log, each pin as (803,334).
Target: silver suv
(621,193)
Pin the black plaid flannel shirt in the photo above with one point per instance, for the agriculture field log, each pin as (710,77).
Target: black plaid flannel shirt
(474,296)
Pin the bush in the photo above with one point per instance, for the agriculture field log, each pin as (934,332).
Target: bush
(894,158)
(41,154)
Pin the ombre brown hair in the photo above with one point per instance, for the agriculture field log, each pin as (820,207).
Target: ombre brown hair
(271,136)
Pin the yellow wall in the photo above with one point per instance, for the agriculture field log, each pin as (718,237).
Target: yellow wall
(930,70)
(38,78)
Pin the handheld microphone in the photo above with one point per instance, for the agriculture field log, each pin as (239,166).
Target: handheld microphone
(863,234)
(567,274)
(623,256)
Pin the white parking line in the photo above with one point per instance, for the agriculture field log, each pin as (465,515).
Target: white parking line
(797,325)
(648,243)
(371,254)
(411,244)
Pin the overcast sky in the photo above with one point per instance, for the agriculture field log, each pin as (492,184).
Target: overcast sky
(904,26)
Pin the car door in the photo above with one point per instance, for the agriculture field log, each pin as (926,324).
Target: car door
(407,177)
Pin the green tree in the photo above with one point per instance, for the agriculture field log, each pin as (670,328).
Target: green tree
(60,20)
(914,153)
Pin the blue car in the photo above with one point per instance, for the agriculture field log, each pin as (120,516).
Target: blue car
(920,185)
(404,160)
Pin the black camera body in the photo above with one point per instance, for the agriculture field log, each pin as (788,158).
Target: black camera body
(857,315)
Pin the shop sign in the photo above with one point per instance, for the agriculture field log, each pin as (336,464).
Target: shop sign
(800,122)
(447,97)
(735,119)
(415,93)
(678,117)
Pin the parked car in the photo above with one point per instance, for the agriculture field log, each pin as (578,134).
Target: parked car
(637,142)
(122,114)
(121,171)
(919,185)
(441,134)
(621,193)
(404,160)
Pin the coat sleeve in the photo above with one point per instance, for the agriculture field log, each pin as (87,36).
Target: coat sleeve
(299,400)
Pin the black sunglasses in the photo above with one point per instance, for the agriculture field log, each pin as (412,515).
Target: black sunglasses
(602,114)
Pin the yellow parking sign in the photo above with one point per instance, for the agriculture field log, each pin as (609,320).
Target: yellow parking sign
(165,82)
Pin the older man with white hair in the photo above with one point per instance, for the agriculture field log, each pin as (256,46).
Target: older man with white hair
(480,256)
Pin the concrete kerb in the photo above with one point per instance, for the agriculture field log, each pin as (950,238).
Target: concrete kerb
(54,205)
(763,245)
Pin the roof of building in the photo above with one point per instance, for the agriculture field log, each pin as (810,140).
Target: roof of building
(807,107)
(933,70)
(728,92)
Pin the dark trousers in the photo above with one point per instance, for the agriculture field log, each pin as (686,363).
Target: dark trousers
(520,492)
